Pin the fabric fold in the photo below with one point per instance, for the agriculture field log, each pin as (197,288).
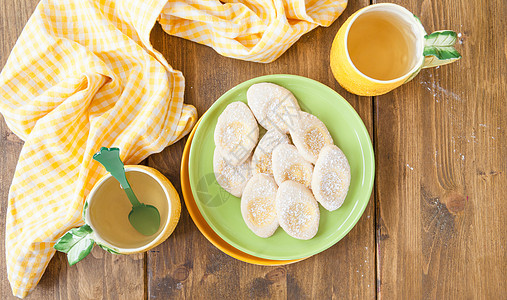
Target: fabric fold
(253,30)
(82,75)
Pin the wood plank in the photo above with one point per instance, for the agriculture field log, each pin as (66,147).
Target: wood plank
(441,179)
(187,265)
(99,276)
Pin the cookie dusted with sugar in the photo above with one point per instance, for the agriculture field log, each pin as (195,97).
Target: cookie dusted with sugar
(261,159)
(274,107)
(231,178)
(331,178)
(258,205)
(297,210)
(236,133)
(288,164)
(310,135)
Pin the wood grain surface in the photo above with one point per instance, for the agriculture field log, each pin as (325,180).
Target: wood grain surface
(441,163)
(434,228)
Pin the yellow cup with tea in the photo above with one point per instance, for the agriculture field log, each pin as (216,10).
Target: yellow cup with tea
(106,211)
(383,46)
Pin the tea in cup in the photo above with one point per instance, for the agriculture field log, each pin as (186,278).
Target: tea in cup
(106,212)
(382,46)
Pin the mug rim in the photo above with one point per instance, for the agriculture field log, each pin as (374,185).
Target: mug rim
(108,176)
(419,51)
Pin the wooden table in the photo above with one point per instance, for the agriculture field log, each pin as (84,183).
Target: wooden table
(434,226)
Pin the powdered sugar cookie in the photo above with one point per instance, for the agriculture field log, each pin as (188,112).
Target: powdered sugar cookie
(236,133)
(261,159)
(331,177)
(310,135)
(288,164)
(274,107)
(297,210)
(231,178)
(258,205)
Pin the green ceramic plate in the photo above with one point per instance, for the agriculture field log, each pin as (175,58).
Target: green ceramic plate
(222,210)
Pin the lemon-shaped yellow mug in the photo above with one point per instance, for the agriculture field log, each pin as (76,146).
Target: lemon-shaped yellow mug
(106,212)
(384,45)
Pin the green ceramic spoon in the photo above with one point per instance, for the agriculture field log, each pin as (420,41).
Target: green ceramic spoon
(144,218)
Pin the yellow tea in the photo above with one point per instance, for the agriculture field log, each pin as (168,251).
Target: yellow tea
(109,211)
(381,45)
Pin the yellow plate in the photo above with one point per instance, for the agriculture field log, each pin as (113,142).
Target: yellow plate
(203,226)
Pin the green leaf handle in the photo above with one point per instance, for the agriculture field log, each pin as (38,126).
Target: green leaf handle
(110,250)
(77,243)
(110,159)
(439,48)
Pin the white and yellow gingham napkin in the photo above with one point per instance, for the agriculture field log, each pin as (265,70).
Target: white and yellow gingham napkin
(83,74)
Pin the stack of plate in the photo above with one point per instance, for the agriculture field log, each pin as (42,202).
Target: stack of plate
(217,214)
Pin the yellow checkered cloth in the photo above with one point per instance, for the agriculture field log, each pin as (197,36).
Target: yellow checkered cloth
(83,74)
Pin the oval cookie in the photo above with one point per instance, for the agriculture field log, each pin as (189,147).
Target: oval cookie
(274,107)
(310,135)
(331,178)
(236,133)
(261,159)
(258,205)
(298,212)
(288,164)
(231,178)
